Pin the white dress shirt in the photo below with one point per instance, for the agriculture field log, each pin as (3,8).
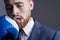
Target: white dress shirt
(27,30)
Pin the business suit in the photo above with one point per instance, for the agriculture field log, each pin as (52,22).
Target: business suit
(40,32)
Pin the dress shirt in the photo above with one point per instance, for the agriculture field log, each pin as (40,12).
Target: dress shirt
(27,30)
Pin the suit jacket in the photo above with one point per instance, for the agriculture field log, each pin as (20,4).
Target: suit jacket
(41,32)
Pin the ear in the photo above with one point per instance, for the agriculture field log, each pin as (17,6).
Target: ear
(31,4)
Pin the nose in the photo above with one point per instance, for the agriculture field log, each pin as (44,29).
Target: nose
(15,10)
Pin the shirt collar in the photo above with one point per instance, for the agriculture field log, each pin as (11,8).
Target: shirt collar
(28,28)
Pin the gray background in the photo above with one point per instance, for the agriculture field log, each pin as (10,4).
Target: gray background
(47,12)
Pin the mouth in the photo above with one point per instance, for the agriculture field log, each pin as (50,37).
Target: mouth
(18,20)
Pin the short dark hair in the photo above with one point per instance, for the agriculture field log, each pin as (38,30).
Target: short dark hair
(5,1)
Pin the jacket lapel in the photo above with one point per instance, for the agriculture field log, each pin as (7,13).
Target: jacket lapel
(35,31)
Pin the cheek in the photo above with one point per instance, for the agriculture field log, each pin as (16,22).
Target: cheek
(27,16)
(26,13)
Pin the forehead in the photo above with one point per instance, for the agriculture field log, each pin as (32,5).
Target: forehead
(17,0)
(14,1)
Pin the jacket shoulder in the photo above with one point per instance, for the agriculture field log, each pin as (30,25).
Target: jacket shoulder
(46,32)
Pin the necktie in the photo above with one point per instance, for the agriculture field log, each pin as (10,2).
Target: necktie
(21,31)
(22,35)
(19,35)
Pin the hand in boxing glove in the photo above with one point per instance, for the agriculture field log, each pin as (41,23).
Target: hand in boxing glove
(8,28)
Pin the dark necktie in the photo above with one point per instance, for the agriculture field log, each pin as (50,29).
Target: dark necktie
(19,35)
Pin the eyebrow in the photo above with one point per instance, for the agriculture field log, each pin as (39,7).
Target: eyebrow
(18,3)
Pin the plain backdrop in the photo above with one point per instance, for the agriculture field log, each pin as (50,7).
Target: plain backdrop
(47,12)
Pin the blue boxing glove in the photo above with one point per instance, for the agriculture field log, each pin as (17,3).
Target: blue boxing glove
(8,27)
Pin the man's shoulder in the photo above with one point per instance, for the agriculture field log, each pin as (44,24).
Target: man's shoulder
(43,27)
(46,31)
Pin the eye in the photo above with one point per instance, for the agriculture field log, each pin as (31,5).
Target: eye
(20,5)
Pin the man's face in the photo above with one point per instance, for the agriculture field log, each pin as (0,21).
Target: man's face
(19,10)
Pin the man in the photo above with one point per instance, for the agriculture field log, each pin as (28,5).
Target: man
(20,12)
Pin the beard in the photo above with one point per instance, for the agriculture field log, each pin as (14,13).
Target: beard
(22,24)
(21,21)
